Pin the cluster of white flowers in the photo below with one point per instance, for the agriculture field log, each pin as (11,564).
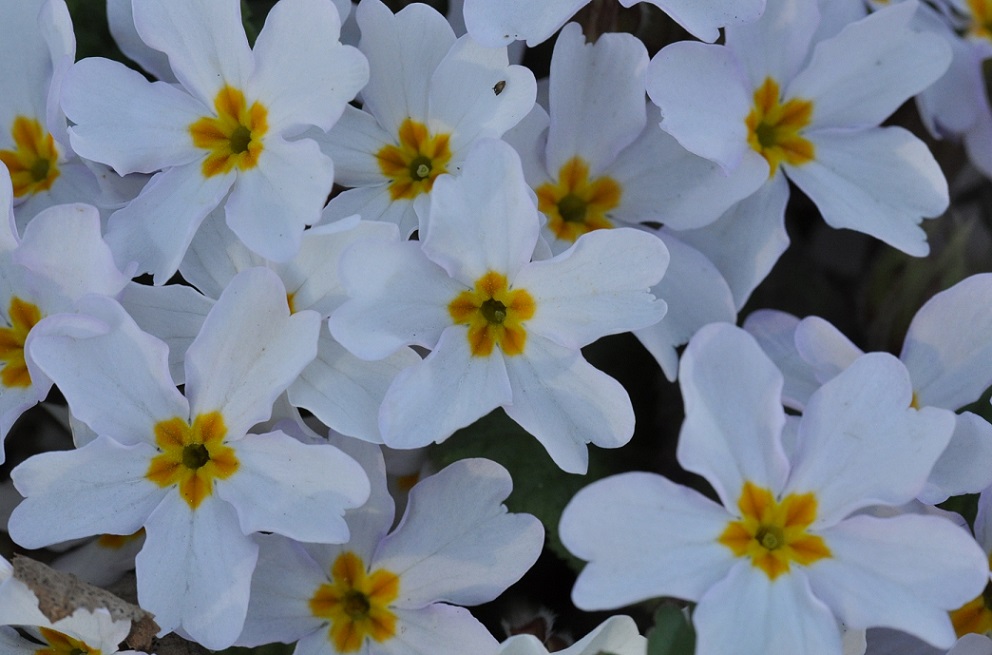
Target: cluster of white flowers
(251,270)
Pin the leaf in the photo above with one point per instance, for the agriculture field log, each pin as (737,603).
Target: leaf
(672,634)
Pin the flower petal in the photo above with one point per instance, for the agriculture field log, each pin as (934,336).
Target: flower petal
(204,40)
(566,402)
(195,570)
(249,351)
(733,413)
(293,489)
(470,386)
(456,542)
(905,572)
(100,488)
(860,443)
(644,537)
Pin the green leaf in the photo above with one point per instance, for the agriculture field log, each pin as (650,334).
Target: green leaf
(672,633)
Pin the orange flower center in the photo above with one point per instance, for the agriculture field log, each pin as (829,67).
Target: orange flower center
(415,163)
(774,128)
(356,603)
(575,204)
(60,644)
(234,137)
(33,164)
(773,533)
(494,315)
(22,317)
(193,456)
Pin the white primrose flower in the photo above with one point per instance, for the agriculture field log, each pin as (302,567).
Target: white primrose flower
(617,635)
(341,390)
(398,593)
(185,468)
(785,556)
(499,23)
(61,258)
(38,45)
(225,135)
(776,100)
(947,351)
(504,331)
(430,97)
(599,161)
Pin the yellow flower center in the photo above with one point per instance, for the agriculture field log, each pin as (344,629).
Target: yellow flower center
(772,533)
(60,644)
(33,165)
(415,163)
(192,456)
(494,315)
(575,204)
(980,25)
(356,603)
(976,615)
(773,127)
(234,136)
(22,316)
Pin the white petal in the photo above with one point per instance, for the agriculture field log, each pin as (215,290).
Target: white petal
(746,241)
(879,181)
(398,297)
(122,397)
(733,413)
(345,392)
(456,542)
(438,629)
(566,402)
(702,19)
(824,347)
(304,75)
(155,229)
(597,97)
(499,23)
(100,488)
(249,351)
(215,256)
(195,570)
(861,444)
(469,386)
(904,572)
(948,347)
(599,286)
(965,466)
(403,51)
(696,295)
(285,580)
(775,332)
(172,313)
(101,96)
(270,205)
(297,490)
(354,143)
(204,40)
(703,96)
(120,20)
(862,75)
(484,219)
(644,537)
(778,43)
(463,100)
(783,616)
